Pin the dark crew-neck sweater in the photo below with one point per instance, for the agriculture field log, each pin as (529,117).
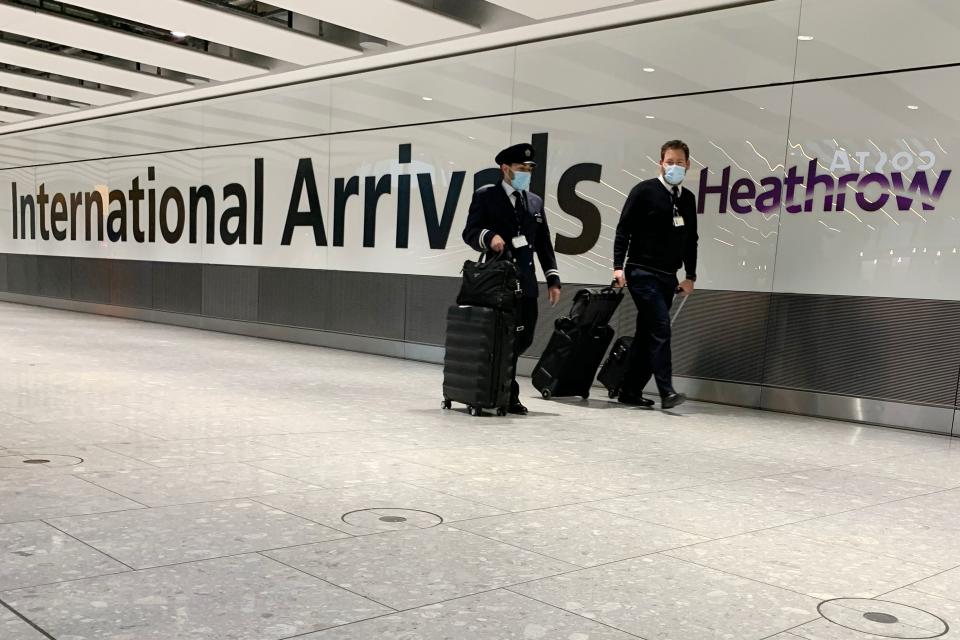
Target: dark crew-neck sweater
(647,236)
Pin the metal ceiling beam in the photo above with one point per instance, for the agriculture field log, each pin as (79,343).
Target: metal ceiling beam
(543,9)
(33,84)
(391,20)
(32,104)
(90,37)
(224,27)
(40,60)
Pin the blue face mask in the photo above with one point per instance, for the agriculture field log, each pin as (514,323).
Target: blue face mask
(521,180)
(674,174)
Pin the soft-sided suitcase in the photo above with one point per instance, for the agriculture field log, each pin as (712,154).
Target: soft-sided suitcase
(570,361)
(478,363)
(614,369)
(594,306)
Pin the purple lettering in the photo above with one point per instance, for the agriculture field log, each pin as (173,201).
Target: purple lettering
(919,185)
(792,182)
(721,189)
(769,200)
(743,189)
(813,179)
(873,178)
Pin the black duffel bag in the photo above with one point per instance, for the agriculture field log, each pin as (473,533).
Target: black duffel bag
(490,283)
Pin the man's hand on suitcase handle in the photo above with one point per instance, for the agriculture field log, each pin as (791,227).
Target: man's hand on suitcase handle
(685,288)
(619,279)
(497,244)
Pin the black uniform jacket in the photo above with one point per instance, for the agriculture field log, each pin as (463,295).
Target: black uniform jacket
(492,214)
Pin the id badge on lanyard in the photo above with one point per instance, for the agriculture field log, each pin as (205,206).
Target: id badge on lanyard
(677,218)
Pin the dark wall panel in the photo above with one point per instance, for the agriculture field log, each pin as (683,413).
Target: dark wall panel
(54,276)
(294,297)
(718,335)
(427,300)
(3,272)
(230,292)
(178,287)
(22,274)
(889,348)
(90,279)
(131,283)
(369,304)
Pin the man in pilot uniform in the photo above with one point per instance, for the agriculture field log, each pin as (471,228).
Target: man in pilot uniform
(507,217)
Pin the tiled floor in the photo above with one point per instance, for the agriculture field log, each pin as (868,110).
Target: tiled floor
(205,487)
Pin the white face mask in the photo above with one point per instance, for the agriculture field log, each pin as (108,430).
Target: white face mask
(674,174)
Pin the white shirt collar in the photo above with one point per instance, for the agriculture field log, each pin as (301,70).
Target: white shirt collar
(508,188)
(666,185)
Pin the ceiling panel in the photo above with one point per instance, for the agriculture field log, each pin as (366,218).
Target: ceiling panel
(32,104)
(33,84)
(391,20)
(541,9)
(9,116)
(30,58)
(82,35)
(224,27)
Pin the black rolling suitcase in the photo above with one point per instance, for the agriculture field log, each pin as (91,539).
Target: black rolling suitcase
(614,369)
(576,348)
(478,363)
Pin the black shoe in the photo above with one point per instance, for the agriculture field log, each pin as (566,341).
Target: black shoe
(635,401)
(517,409)
(672,400)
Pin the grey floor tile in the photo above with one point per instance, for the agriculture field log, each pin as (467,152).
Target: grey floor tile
(496,615)
(515,490)
(698,513)
(33,497)
(661,598)
(917,543)
(578,535)
(803,565)
(623,476)
(328,444)
(185,533)
(12,627)
(780,493)
(243,598)
(329,506)
(937,469)
(860,484)
(564,452)
(179,453)
(49,434)
(722,466)
(347,470)
(943,585)
(34,553)
(938,510)
(471,460)
(405,569)
(180,485)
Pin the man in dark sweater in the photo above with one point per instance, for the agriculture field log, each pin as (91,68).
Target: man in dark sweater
(656,235)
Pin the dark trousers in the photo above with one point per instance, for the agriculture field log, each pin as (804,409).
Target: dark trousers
(650,354)
(527,317)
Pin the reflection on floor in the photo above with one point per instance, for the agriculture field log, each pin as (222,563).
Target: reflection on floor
(163,483)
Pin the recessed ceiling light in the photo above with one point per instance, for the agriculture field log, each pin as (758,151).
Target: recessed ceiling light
(763,108)
(649,69)
(368,45)
(650,117)
(804,38)
(178,34)
(912,107)
(427,98)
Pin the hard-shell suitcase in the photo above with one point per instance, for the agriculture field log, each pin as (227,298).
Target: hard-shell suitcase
(478,363)
(614,369)
(570,361)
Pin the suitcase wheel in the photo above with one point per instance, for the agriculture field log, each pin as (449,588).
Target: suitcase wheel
(446,404)
(475,411)
(613,393)
(546,394)
(501,411)
(586,396)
